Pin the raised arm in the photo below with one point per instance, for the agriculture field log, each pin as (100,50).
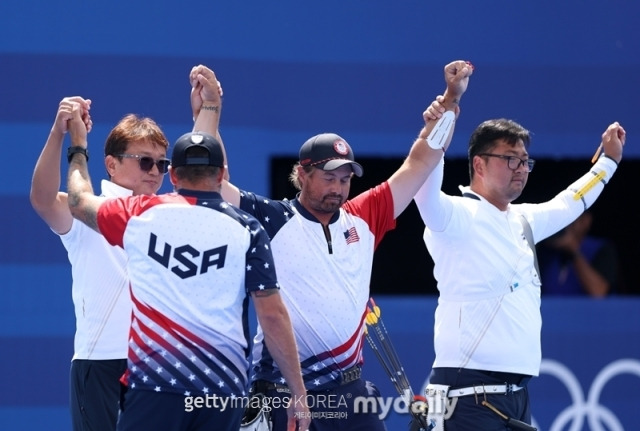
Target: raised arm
(46,198)
(613,140)
(83,204)
(206,96)
(423,157)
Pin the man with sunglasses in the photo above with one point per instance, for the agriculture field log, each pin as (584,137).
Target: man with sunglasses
(135,160)
(193,261)
(488,322)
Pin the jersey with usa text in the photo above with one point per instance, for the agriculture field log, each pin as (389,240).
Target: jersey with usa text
(193,260)
(324,273)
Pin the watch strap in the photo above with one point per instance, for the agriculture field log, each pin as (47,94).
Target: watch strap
(75,149)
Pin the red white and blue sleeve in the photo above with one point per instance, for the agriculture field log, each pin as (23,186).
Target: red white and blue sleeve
(375,207)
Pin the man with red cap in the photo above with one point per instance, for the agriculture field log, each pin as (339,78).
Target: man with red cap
(323,245)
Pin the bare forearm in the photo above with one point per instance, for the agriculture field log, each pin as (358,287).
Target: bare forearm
(82,201)
(417,167)
(451,101)
(278,333)
(208,121)
(283,348)
(45,183)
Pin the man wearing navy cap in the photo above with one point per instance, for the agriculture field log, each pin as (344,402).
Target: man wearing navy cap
(193,262)
(323,244)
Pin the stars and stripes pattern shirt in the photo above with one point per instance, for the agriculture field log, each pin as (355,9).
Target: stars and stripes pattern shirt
(192,261)
(325,273)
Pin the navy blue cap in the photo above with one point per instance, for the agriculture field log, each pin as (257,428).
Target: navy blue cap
(197,139)
(328,151)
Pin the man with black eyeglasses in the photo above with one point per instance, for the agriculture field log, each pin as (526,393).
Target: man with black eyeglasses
(488,322)
(135,158)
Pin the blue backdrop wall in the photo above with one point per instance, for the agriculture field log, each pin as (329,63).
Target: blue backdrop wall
(363,69)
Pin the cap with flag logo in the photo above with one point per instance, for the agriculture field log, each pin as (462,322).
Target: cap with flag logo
(328,151)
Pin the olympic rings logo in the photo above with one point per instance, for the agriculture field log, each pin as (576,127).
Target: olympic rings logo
(591,409)
(599,417)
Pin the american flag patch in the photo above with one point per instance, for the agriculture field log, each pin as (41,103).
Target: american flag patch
(351,235)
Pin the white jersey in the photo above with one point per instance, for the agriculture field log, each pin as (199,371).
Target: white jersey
(193,259)
(325,274)
(488,314)
(100,289)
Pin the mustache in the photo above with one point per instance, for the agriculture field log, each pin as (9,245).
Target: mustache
(333,196)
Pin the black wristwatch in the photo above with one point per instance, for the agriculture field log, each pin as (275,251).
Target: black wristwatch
(72,150)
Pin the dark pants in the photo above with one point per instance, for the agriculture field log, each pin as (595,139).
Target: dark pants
(164,411)
(95,392)
(333,410)
(471,415)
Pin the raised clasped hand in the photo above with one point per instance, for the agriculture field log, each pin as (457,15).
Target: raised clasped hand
(79,124)
(205,88)
(613,140)
(66,109)
(456,75)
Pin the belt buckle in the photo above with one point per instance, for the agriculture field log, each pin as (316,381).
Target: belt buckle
(277,387)
(350,375)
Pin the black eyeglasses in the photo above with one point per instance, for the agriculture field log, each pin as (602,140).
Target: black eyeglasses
(513,162)
(147,162)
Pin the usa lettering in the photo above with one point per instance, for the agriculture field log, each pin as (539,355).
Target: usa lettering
(189,263)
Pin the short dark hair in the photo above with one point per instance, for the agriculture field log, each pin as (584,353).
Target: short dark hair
(195,173)
(485,137)
(132,128)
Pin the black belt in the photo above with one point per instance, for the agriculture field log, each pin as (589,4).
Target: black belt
(346,376)
(462,377)
(510,378)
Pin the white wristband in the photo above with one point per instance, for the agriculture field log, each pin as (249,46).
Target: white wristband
(440,132)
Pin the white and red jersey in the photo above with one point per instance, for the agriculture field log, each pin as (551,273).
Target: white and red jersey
(325,274)
(192,261)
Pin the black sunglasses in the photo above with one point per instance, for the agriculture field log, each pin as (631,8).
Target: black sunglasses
(147,162)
